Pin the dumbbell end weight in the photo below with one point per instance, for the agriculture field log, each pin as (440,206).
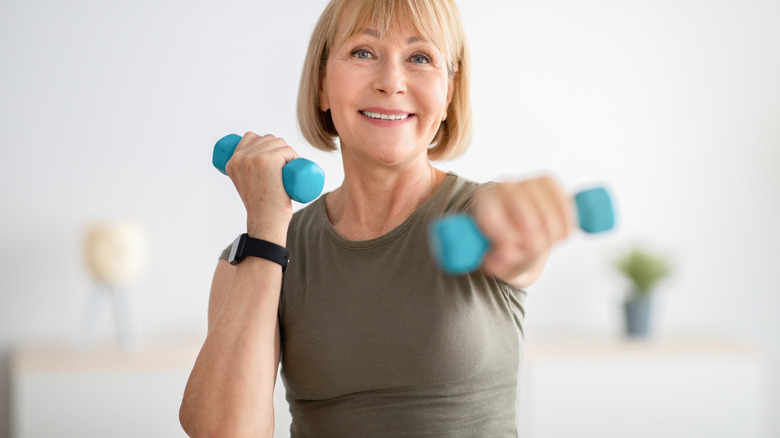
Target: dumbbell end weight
(595,210)
(303,179)
(459,246)
(223,150)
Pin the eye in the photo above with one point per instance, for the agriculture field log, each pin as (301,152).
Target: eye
(420,59)
(361,54)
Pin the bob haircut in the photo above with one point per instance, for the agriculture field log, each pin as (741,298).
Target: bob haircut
(437,20)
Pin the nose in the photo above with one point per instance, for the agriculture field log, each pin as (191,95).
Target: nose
(390,78)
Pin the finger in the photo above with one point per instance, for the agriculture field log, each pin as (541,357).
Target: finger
(267,158)
(498,228)
(548,219)
(251,140)
(248,138)
(547,213)
(287,153)
(278,148)
(558,204)
(522,220)
(523,208)
(491,218)
(252,145)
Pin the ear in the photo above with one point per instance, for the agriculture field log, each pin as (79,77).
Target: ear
(323,97)
(450,91)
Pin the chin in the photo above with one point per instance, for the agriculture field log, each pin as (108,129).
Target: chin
(384,151)
(394,156)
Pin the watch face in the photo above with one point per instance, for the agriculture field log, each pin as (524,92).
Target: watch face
(237,252)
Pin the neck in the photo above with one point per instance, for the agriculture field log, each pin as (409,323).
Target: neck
(373,201)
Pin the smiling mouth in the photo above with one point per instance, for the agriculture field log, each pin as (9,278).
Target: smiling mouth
(381,116)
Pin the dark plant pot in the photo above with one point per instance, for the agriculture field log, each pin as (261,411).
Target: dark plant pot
(637,312)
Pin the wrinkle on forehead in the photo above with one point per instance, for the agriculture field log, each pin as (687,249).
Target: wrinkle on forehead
(374,33)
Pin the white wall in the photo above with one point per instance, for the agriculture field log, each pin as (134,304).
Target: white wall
(110,109)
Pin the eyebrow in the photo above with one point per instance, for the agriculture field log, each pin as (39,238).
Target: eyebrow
(412,39)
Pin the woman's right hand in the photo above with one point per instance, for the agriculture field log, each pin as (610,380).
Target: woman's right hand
(256,171)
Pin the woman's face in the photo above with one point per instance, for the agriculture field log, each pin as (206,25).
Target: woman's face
(387,96)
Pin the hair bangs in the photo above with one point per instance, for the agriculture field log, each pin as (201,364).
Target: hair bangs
(424,18)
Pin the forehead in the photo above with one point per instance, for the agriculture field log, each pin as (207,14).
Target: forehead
(411,36)
(389,19)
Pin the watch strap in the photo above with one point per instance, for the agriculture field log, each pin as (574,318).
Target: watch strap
(249,246)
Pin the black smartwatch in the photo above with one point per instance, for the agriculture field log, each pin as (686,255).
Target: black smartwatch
(249,246)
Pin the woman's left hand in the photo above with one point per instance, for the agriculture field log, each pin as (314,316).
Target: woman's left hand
(522,220)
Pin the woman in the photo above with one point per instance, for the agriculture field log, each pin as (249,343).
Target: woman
(374,339)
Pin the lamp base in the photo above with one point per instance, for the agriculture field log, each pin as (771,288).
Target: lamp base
(124,333)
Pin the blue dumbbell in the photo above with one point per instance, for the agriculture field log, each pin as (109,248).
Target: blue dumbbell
(303,179)
(459,246)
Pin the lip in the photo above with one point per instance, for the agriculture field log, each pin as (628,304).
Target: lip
(385,123)
(389,112)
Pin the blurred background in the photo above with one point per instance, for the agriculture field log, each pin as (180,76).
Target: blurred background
(109,111)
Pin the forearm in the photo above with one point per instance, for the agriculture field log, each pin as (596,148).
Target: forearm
(230,390)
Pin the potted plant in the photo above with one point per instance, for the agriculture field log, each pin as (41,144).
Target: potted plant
(644,270)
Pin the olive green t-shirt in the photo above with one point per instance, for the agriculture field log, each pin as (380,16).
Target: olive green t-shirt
(377,341)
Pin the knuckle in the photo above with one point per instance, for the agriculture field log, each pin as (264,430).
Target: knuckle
(249,135)
(505,190)
(547,180)
(282,145)
(271,142)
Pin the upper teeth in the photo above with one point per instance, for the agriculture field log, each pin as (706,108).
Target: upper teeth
(384,116)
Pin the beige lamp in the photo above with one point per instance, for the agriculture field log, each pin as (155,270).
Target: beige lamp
(116,255)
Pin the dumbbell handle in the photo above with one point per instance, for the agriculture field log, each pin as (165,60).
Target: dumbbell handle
(303,179)
(459,246)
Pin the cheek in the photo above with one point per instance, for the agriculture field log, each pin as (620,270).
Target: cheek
(338,91)
(438,91)
(331,88)
(436,98)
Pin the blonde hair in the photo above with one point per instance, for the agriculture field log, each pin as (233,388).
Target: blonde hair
(438,20)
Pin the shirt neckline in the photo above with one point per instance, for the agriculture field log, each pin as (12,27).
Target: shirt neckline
(322,214)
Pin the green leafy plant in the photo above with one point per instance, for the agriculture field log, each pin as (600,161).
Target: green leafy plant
(643,268)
